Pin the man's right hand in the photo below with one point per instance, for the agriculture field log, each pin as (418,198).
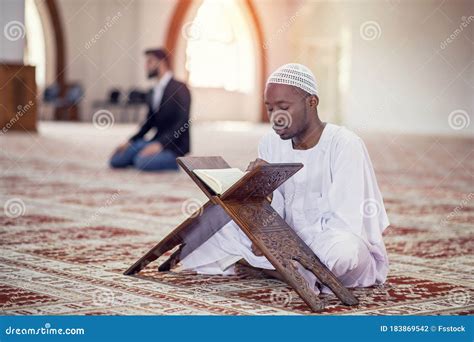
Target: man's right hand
(257,162)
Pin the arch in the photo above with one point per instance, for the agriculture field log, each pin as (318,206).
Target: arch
(59,43)
(177,21)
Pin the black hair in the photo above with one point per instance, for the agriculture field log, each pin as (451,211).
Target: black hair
(161,54)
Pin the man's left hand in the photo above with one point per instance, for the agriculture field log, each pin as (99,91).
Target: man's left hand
(150,149)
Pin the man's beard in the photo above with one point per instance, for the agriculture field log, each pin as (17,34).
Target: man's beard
(153,73)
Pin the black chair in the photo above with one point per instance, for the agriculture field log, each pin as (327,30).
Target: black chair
(66,107)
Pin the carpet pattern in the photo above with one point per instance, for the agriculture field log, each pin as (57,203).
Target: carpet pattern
(69,227)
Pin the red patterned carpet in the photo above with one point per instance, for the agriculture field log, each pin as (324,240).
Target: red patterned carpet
(70,227)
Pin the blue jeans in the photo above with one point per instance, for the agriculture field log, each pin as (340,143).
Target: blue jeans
(164,160)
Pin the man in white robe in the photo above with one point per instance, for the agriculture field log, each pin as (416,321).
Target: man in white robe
(333,203)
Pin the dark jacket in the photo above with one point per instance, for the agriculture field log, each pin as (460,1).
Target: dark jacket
(171,120)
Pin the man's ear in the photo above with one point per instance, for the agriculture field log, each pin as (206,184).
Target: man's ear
(313,101)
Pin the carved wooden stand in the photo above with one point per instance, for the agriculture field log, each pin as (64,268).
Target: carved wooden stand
(246,203)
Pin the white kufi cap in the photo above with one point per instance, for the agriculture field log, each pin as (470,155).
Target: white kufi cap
(296,75)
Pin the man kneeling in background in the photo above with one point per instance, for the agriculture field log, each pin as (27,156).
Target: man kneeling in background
(168,113)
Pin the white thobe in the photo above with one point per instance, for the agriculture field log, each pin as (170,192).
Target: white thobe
(333,203)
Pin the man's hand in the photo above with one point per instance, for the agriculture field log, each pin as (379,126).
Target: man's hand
(257,162)
(122,147)
(256,250)
(151,149)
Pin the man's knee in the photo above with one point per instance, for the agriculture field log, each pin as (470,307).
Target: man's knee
(142,163)
(117,163)
(347,255)
(155,163)
(148,163)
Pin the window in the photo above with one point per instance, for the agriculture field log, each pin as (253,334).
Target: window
(35,51)
(219,50)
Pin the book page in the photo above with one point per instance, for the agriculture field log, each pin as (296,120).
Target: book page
(219,180)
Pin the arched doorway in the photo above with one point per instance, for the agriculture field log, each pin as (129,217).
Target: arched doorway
(44,43)
(230,34)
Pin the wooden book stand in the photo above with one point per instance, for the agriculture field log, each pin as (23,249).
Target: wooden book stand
(246,203)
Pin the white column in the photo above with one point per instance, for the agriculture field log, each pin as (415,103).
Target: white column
(12,26)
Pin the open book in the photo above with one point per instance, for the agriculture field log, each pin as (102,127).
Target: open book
(219,180)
